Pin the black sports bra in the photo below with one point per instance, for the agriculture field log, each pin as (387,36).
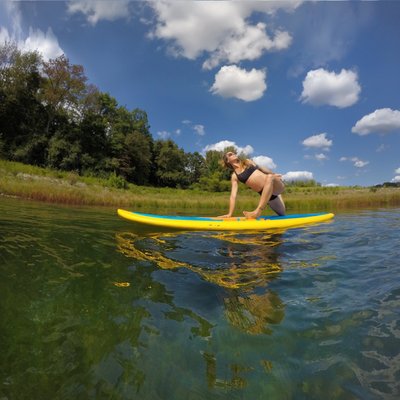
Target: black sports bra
(245,175)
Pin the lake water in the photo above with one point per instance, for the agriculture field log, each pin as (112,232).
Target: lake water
(95,307)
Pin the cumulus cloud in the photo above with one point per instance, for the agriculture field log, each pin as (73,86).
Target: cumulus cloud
(96,10)
(232,81)
(356,161)
(321,157)
(220,29)
(46,43)
(396,179)
(318,141)
(223,144)
(163,134)
(4,35)
(318,157)
(324,87)
(262,161)
(265,161)
(383,120)
(397,171)
(331,185)
(12,10)
(199,129)
(249,44)
(298,176)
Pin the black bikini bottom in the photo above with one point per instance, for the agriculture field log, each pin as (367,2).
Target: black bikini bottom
(273,197)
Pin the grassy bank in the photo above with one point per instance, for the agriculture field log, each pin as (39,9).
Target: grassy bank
(29,182)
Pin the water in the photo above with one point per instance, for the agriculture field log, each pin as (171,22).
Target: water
(95,307)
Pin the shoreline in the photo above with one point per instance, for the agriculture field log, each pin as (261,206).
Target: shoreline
(33,183)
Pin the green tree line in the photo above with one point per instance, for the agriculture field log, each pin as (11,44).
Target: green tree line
(51,116)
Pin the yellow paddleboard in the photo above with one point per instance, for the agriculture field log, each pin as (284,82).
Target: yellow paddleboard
(224,224)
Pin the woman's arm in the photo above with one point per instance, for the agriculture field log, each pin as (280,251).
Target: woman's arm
(265,170)
(232,199)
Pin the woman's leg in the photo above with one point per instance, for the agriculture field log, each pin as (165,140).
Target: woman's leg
(273,185)
(278,205)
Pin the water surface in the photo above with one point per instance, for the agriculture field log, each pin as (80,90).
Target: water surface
(95,307)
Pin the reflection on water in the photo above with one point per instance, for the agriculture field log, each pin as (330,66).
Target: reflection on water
(245,270)
(244,263)
(93,307)
(237,269)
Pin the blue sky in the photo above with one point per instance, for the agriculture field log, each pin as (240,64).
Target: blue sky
(310,89)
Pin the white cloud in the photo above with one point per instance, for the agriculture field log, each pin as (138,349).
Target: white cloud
(262,161)
(199,129)
(331,185)
(4,35)
(381,148)
(232,81)
(298,176)
(45,43)
(396,179)
(321,157)
(318,157)
(265,161)
(223,144)
(397,171)
(247,45)
(360,163)
(164,134)
(11,9)
(318,141)
(324,87)
(220,29)
(356,161)
(328,37)
(383,120)
(96,10)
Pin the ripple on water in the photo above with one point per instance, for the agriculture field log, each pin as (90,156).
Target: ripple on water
(92,304)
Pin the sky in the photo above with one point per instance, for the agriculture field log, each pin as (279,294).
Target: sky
(308,89)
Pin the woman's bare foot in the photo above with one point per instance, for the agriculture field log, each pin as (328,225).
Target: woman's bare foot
(252,214)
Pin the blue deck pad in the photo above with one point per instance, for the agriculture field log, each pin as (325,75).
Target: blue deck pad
(178,217)
(291,216)
(192,218)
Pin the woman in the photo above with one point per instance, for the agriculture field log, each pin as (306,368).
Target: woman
(261,180)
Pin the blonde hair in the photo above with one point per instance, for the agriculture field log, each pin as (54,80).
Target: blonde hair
(244,162)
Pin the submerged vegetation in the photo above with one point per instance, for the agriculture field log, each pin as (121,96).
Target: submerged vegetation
(36,183)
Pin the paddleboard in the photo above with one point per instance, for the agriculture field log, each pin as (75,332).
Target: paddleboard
(224,224)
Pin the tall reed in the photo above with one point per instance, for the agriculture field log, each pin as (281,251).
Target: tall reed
(30,182)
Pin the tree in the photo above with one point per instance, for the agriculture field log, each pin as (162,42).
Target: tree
(64,90)
(21,114)
(170,163)
(194,167)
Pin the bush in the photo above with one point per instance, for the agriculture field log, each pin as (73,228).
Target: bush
(117,181)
